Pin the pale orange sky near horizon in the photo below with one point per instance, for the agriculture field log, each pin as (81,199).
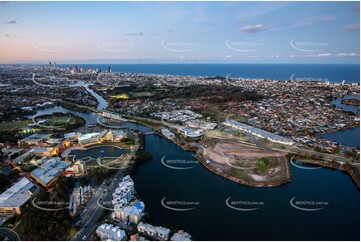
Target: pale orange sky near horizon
(225,32)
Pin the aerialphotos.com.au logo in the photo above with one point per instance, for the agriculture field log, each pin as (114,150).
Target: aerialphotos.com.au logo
(243,206)
(308,206)
(44,205)
(299,165)
(310,79)
(179,206)
(244,46)
(40,124)
(106,77)
(105,204)
(99,161)
(36,82)
(114,46)
(124,159)
(307,46)
(49,46)
(101,122)
(172,164)
(174,83)
(177,46)
(234,82)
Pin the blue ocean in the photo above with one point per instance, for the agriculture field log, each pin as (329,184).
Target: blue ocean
(310,72)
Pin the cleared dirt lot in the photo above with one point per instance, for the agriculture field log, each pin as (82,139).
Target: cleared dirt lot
(245,163)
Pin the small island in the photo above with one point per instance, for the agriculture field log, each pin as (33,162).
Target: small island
(57,120)
(353,102)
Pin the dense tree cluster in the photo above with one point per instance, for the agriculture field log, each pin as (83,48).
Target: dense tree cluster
(44,225)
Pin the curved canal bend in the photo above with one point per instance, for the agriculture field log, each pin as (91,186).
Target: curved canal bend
(212,219)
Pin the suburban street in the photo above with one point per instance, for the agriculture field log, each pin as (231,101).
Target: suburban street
(96,211)
(103,194)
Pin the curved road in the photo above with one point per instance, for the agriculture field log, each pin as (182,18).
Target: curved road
(8,234)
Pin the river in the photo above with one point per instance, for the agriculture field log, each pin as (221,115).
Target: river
(102,103)
(350,137)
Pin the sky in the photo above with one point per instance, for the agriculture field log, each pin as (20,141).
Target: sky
(180,32)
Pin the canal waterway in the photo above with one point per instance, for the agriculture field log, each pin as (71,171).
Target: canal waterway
(267,213)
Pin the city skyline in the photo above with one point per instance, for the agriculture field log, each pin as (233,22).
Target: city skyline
(180,32)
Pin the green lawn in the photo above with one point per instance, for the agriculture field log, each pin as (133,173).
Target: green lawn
(264,163)
(73,231)
(12,125)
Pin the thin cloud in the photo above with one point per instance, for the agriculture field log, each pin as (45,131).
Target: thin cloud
(261,8)
(312,21)
(11,22)
(352,54)
(252,28)
(201,17)
(135,34)
(307,23)
(328,19)
(355,9)
(351,27)
(205,30)
(347,54)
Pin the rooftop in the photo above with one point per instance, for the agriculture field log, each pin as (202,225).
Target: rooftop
(114,232)
(50,169)
(36,137)
(18,194)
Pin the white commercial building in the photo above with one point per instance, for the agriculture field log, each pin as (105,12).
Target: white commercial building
(72,135)
(79,167)
(49,171)
(115,135)
(191,133)
(16,196)
(154,231)
(34,139)
(111,115)
(91,138)
(109,232)
(201,124)
(181,236)
(35,151)
(80,196)
(11,151)
(167,133)
(124,193)
(130,214)
(258,132)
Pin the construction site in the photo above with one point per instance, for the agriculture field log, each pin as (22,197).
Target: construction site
(245,163)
